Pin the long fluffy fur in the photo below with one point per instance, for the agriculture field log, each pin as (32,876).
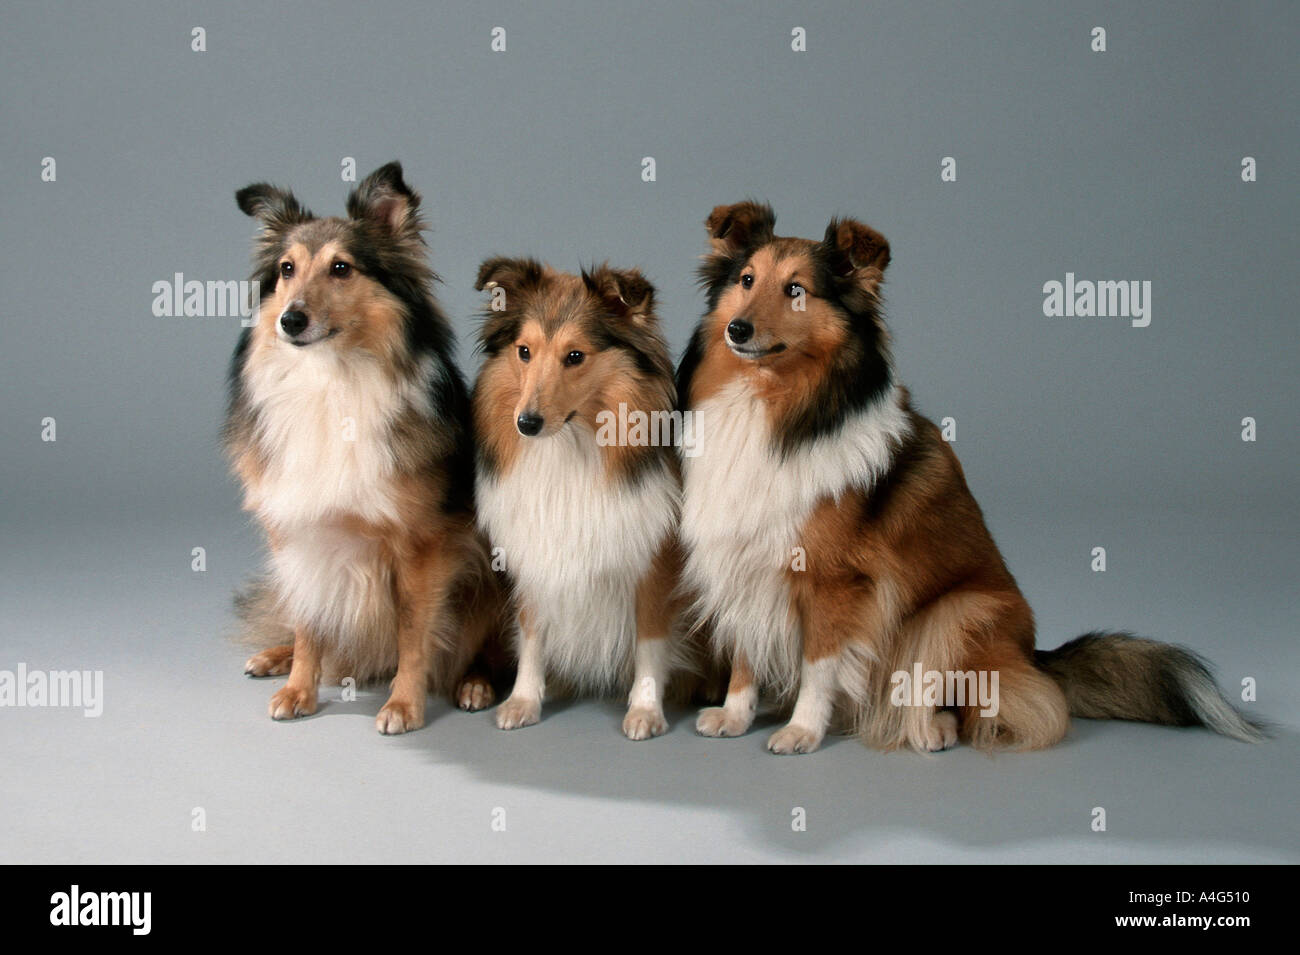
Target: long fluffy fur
(1117,676)
(577,545)
(345,515)
(812,453)
(581,526)
(745,504)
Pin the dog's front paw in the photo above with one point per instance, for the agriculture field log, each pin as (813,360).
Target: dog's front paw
(273,661)
(940,732)
(793,738)
(400,716)
(518,711)
(474,694)
(718,721)
(290,702)
(644,722)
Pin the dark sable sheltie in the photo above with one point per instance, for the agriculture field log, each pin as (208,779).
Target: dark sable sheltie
(833,541)
(349,427)
(585,519)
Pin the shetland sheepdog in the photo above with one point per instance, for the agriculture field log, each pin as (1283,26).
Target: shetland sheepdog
(349,427)
(833,542)
(583,519)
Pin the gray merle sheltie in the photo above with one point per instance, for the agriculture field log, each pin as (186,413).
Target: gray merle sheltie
(349,427)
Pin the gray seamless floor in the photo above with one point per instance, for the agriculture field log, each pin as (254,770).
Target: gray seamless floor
(182,728)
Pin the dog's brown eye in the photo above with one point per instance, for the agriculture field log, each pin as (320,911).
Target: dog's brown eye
(340,269)
(574,358)
(794,290)
(286,269)
(747,281)
(524,354)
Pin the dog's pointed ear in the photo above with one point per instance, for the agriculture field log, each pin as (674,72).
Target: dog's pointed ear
(857,250)
(385,199)
(511,274)
(740,227)
(276,207)
(625,293)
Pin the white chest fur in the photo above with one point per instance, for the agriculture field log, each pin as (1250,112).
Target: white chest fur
(744,507)
(324,422)
(577,545)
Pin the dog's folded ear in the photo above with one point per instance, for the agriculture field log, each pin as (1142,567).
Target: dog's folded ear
(510,274)
(740,227)
(856,251)
(506,278)
(385,199)
(625,293)
(276,207)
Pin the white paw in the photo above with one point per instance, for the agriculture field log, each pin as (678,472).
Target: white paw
(474,694)
(643,722)
(793,738)
(399,716)
(718,721)
(516,712)
(940,733)
(274,661)
(291,702)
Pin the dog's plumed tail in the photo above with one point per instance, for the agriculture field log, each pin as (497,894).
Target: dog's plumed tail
(1117,676)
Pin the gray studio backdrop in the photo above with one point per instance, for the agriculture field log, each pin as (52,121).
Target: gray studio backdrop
(1075,432)
(1115,165)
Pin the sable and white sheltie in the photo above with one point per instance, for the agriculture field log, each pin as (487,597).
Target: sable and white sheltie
(349,426)
(586,526)
(833,541)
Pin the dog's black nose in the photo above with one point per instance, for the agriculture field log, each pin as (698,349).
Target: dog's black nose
(529,424)
(294,322)
(739,331)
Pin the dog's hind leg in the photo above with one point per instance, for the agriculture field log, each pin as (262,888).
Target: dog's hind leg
(940,732)
(273,661)
(475,690)
(482,624)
